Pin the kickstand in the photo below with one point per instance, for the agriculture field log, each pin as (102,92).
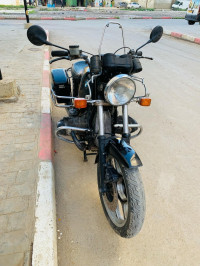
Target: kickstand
(85,156)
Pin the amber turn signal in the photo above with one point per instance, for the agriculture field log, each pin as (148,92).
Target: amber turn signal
(80,103)
(145,102)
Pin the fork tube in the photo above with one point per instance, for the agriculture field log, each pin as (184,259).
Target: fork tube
(126,134)
(102,154)
(101,120)
(125,119)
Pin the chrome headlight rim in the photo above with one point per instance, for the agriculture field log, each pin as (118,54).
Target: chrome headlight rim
(114,80)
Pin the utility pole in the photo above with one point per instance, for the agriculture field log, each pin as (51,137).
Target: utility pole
(26,11)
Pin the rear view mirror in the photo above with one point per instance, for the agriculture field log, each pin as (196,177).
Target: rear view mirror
(37,35)
(156,34)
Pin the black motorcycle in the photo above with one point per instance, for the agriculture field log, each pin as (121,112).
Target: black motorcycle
(92,91)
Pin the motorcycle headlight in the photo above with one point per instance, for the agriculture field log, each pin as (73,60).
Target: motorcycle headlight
(120,90)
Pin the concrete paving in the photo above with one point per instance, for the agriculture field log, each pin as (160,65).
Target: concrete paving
(19,132)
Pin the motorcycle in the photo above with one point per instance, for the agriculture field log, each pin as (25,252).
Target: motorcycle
(92,90)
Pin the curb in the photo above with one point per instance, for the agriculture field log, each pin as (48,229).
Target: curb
(89,18)
(57,18)
(181,36)
(45,238)
(157,18)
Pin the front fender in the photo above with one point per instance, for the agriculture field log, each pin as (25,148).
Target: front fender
(124,153)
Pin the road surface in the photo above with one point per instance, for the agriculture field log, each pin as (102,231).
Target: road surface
(168,147)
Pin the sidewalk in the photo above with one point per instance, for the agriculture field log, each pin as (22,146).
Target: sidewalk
(19,133)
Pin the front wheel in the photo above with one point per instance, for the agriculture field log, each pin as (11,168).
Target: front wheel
(190,22)
(124,200)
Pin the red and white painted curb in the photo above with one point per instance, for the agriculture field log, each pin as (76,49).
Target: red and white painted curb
(56,18)
(182,36)
(45,237)
(154,18)
(88,18)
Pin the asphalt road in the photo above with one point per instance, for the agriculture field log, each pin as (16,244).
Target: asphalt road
(168,147)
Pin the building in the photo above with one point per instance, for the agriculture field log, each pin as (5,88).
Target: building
(11,2)
(68,2)
(157,4)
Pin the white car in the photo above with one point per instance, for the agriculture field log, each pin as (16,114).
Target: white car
(181,5)
(133,5)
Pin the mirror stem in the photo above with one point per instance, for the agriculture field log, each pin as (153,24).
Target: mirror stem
(49,43)
(143,46)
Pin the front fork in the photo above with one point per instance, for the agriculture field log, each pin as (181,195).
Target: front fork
(126,133)
(102,141)
(102,145)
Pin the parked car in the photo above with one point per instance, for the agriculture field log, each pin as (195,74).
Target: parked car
(193,12)
(122,5)
(133,5)
(181,5)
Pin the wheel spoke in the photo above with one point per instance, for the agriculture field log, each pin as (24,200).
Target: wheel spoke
(121,190)
(119,213)
(117,167)
(125,209)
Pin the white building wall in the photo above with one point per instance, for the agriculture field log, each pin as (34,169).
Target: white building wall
(146,3)
(160,4)
(163,4)
(7,2)
(11,2)
(127,1)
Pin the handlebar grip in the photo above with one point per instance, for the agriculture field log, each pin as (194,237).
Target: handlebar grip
(139,53)
(137,67)
(59,53)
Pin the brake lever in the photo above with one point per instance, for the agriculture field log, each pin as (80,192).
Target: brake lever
(145,57)
(57,59)
(82,56)
(150,58)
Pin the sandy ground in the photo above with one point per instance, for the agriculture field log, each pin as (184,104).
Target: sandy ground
(168,148)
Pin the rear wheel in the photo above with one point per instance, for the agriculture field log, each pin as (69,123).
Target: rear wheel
(124,201)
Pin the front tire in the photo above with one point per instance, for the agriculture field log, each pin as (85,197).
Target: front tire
(190,22)
(124,201)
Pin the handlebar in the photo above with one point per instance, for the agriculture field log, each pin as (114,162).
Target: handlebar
(59,53)
(65,55)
